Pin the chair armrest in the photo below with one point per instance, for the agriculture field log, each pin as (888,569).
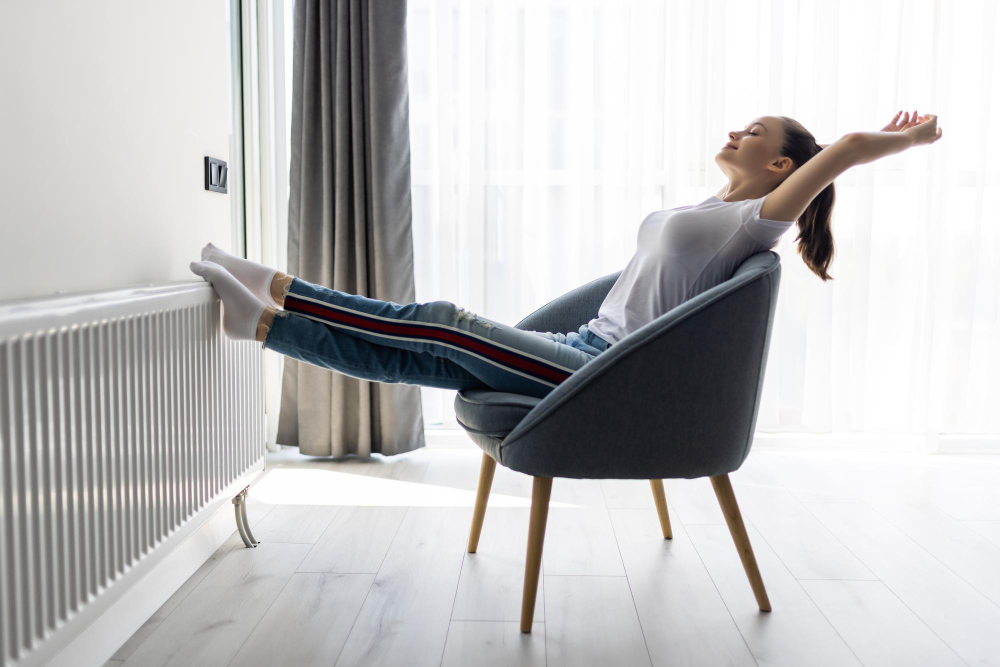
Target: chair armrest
(675,398)
(573,309)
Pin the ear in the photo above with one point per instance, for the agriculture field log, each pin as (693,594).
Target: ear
(782,164)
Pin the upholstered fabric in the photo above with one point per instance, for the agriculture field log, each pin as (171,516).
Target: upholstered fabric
(677,397)
(488,416)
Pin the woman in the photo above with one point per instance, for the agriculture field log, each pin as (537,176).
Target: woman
(778,175)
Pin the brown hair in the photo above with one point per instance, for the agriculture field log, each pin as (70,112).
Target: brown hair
(815,238)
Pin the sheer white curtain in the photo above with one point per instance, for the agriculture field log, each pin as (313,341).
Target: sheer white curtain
(544,131)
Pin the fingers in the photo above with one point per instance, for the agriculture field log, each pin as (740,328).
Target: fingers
(905,120)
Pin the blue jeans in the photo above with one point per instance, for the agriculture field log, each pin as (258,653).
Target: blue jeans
(434,344)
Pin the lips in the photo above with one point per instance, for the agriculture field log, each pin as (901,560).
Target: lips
(730,146)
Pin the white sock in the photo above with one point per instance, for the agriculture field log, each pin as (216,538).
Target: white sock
(241,309)
(256,277)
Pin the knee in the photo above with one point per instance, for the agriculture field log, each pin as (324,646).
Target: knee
(463,314)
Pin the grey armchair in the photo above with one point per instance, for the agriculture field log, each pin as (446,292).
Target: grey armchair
(677,397)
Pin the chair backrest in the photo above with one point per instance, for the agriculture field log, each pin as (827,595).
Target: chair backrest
(676,398)
(569,311)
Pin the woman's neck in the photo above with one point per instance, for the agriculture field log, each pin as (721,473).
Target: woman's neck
(742,192)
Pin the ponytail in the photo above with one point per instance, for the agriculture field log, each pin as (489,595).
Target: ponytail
(815,238)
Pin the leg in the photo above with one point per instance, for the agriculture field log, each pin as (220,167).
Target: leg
(541,490)
(264,325)
(315,343)
(486,471)
(660,498)
(279,287)
(724,492)
(502,357)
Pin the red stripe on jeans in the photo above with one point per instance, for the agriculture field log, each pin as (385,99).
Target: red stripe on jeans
(404,328)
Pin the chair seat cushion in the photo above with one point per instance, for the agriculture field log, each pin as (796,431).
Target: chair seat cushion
(488,415)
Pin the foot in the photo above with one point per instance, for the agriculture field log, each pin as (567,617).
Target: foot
(256,277)
(241,309)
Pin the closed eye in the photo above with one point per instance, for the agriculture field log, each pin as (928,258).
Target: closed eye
(753,133)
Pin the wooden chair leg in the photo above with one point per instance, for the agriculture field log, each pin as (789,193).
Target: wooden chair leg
(661,507)
(541,490)
(727,500)
(486,470)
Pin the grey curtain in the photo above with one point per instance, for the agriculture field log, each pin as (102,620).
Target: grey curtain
(349,213)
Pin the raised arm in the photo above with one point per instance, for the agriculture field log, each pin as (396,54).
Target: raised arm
(901,121)
(874,145)
(790,199)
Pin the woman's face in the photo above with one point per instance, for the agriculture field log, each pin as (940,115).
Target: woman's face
(752,149)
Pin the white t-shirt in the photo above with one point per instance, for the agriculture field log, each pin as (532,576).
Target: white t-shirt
(680,253)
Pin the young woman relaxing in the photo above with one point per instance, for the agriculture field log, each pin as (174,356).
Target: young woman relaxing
(778,176)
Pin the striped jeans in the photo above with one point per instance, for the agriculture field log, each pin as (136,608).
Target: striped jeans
(434,344)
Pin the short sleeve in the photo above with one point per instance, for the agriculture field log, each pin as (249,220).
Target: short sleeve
(765,231)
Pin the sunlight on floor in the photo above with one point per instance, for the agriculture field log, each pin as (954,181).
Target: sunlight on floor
(327,487)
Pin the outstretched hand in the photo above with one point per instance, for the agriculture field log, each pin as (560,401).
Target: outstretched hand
(901,122)
(926,131)
(904,121)
(923,128)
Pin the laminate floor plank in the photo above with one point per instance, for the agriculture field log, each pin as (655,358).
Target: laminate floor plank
(356,541)
(580,542)
(256,511)
(210,625)
(405,618)
(577,492)
(459,469)
(988,529)
(632,494)
(492,579)
(406,467)
(806,547)
(684,619)
(295,523)
(879,628)
(795,632)
(309,622)
(960,615)
(959,547)
(494,644)
(592,621)
(693,501)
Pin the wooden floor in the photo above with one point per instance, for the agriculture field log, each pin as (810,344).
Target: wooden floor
(868,559)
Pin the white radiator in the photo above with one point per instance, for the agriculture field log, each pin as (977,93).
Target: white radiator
(126,418)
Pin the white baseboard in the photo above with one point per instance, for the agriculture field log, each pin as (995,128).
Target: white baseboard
(448,438)
(844,442)
(968,444)
(456,438)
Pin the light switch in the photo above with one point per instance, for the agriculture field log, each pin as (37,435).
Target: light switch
(216,174)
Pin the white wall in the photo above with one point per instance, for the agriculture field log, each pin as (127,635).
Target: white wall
(107,109)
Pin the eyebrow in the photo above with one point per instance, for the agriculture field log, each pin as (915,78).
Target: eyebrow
(758,123)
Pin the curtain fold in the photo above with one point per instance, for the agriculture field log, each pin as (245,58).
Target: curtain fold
(349,213)
(545,131)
